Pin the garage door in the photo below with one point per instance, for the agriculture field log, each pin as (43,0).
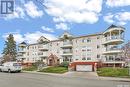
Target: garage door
(83,67)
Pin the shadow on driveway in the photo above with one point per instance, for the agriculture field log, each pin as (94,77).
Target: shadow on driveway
(82,74)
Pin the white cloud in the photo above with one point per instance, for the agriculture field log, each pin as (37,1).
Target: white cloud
(25,9)
(18,13)
(62,26)
(32,10)
(33,37)
(17,37)
(30,37)
(117,3)
(109,18)
(120,18)
(47,29)
(121,23)
(123,16)
(76,11)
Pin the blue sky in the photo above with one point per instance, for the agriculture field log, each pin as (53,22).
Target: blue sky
(51,18)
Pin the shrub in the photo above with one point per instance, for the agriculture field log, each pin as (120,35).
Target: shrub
(64,64)
(31,68)
(55,69)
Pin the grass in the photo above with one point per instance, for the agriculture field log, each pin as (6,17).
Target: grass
(31,68)
(113,72)
(56,69)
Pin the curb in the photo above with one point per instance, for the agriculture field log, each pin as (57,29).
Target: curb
(115,79)
(97,78)
(42,73)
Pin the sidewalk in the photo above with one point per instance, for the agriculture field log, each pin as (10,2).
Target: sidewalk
(115,79)
(35,72)
(67,75)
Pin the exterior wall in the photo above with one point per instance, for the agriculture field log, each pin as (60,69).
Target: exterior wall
(32,53)
(73,65)
(54,47)
(84,50)
(88,49)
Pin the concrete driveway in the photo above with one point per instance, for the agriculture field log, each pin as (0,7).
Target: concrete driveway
(81,74)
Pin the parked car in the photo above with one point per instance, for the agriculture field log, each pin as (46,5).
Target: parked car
(0,67)
(11,67)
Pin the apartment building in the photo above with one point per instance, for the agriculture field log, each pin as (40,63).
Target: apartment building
(84,53)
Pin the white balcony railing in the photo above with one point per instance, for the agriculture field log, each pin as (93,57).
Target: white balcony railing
(67,43)
(21,50)
(113,38)
(44,54)
(43,47)
(113,49)
(65,52)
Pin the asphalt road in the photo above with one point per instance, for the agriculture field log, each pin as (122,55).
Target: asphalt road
(37,80)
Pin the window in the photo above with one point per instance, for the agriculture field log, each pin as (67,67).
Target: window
(98,56)
(83,40)
(89,40)
(83,48)
(76,59)
(88,58)
(83,58)
(98,46)
(57,44)
(98,37)
(75,41)
(32,47)
(88,49)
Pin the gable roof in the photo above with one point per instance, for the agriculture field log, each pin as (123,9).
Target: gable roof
(23,43)
(66,34)
(42,38)
(112,26)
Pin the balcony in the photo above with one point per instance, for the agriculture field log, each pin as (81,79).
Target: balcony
(112,50)
(113,40)
(42,54)
(67,53)
(21,50)
(114,61)
(67,44)
(43,47)
(21,56)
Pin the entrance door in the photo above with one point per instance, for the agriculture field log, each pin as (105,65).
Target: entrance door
(50,62)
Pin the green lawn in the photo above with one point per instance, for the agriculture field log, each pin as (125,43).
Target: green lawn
(31,68)
(56,69)
(113,72)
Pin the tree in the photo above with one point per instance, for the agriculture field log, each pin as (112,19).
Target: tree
(126,51)
(10,50)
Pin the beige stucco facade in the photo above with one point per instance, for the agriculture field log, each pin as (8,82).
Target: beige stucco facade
(103,47)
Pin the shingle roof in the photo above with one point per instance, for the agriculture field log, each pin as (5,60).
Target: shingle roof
(23,43)
(112,26)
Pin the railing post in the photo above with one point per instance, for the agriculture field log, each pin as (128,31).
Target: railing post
(119,34)
(110,36)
